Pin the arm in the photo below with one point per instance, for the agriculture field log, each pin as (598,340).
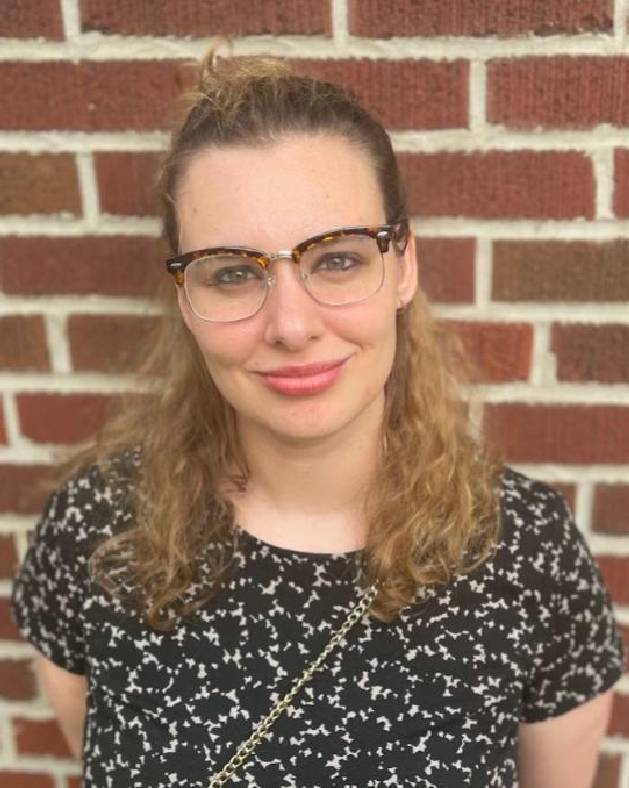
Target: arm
(562,752)
(65,692)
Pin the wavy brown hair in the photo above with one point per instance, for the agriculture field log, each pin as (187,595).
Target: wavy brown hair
(433,509)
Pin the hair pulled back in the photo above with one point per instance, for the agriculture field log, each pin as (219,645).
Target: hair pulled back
(433,510)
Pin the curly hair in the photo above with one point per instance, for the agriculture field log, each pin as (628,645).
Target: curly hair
(433,509)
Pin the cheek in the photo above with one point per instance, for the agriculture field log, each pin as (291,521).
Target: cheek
(224,346)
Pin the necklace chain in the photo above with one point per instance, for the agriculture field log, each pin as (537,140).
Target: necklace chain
(262,728)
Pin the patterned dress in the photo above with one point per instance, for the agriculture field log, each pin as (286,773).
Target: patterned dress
(432,699)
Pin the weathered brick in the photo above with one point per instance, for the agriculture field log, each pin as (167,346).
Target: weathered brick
(199,18)
(74,782)
(3,428)
(127,183)
(499,184)
(113,265)
(37,183)
(439,89)
(107,343)
(615,570)
(11,779)
(559,92)
(501,352)
(568,434)
(587,352)
(30,19)
(446,269)
(8,555)
(560,271)
(24,345)
(621,182)
(40,737)
(23,488)
(619,721)
(61,418)
(607,771)
(8,627)
(610,512)
(479,17)
(17,681)
(90,95)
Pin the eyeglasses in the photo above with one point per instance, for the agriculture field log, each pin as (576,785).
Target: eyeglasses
(224,284)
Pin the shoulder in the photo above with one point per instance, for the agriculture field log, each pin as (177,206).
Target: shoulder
(89,506)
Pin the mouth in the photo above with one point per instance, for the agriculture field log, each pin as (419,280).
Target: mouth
(304,380)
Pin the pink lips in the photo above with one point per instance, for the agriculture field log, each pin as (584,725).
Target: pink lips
(307,379)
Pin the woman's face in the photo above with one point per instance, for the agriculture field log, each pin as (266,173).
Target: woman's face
(271,197)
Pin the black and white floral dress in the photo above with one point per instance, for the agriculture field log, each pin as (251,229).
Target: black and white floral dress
(433,699)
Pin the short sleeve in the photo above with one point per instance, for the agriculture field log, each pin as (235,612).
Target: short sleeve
(48,590)
(580,654)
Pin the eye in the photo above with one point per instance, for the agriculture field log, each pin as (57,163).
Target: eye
(234,275)
(338,261)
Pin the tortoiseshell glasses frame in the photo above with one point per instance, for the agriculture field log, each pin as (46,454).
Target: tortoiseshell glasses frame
(384,235)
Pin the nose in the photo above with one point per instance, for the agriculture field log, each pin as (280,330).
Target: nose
(292,316)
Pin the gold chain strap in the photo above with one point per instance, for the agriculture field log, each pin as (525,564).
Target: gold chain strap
(262,728)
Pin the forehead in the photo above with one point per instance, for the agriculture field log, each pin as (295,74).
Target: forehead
(275,195)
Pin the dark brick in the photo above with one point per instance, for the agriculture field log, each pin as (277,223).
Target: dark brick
(37,183)
(24,345)
(31,19)
(107,343)
(127,183)
(591,352)
(446,268)
(610,512)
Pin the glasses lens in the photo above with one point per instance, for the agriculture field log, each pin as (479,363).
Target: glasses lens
(225,287)
(343,270)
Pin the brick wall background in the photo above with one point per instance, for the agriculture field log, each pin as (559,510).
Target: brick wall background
(511,119)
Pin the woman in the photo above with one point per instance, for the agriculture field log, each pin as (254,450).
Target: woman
(294,563)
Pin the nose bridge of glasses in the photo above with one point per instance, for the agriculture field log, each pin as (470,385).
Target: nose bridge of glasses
(281,254)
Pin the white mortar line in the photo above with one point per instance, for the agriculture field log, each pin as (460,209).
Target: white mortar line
(97,46)
(483,273)
(71,19)
(603,162)
(340,34)
(621,14)
(624,769)
(477,97)
(88,188)
(485,138)
(11,420)
(62,226)
(542,360)
(60,306)
(562,394)
(58,345)
(583,515)
(574,474)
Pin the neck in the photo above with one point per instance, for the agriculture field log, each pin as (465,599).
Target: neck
(309,494)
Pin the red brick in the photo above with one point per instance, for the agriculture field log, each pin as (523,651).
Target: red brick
(25,780)
(31,18)
(588,352)
(501,352)
(24,345)
(569,491)
(619,722)
(74,782)
(37,183)
(17,681)
(607,771)
(621,182)
(24,488)
(3,429)
(107,343)
(615,572)
(8,553)
(113,265)
(8,627)
(560,92)
(611,509)
(500,184)
(478,17)
(61,418)
(439,89)
(199,18)
(127,183)
(566,434)
(40,737)
(90,95)
(560,271)
(446,268)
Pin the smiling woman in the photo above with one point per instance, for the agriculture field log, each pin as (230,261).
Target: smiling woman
(296,563)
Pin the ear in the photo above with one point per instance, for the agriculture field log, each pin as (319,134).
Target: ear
(407,273)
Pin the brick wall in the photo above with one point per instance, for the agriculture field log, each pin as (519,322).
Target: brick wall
(511,119)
